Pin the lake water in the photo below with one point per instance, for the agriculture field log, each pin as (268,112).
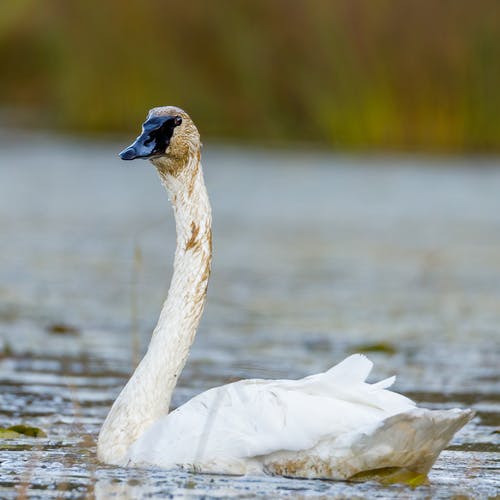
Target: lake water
(316,256)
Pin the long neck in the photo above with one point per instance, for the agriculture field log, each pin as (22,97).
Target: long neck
(147,395)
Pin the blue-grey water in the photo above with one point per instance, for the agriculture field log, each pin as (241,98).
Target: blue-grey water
(316,256)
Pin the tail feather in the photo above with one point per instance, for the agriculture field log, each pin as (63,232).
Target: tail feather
(347,381)
(409,441)
(353,369)
(384,384)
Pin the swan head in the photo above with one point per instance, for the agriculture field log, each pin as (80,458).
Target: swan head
(168,137)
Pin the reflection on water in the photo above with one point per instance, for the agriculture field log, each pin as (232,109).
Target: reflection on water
(315,256)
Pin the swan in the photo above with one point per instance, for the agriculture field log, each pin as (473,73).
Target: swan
(332,425)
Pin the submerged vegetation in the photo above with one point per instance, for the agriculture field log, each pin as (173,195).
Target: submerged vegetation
(384,347)
(62,329)
(392,475)
(348,73)
(20,430)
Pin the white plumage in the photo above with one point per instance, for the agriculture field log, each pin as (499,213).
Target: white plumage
(330,425)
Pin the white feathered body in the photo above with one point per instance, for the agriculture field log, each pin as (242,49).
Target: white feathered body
(331,425)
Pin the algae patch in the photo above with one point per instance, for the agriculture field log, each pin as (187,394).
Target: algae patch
(62,329)
(392,475)
(383,347)
(19,431)
(6,351)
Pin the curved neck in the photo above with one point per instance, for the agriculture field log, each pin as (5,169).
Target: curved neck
(147,395)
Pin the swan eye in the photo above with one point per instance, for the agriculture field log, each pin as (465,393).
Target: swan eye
(177,121)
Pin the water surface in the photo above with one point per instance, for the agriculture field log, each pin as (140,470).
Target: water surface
(316,256)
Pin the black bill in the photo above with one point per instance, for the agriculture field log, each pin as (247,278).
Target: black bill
(155,138)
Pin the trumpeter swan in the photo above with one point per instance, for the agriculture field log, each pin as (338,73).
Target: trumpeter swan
(330,425)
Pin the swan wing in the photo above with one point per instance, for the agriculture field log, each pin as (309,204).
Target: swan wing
(239,428)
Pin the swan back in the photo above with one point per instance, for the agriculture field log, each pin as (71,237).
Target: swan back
(256,418)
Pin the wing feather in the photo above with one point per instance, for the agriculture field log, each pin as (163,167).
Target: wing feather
(253,418)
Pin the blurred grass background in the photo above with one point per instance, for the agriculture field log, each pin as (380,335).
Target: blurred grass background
(417,75)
